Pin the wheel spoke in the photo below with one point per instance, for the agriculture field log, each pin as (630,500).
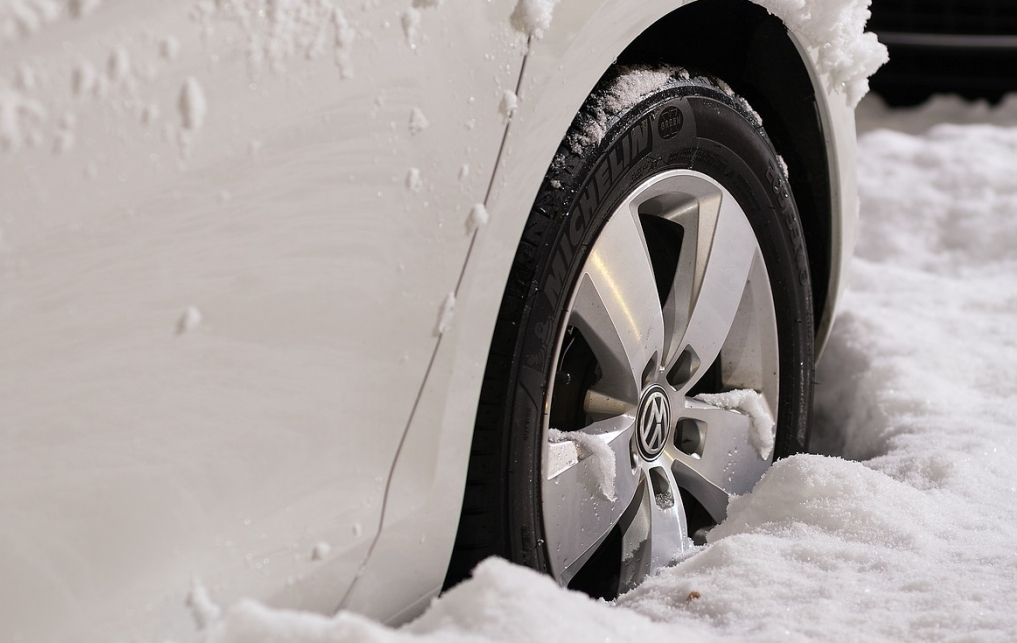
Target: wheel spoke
(617,308)
(697,213)
(723,264)
(657,532)
(590,483)
(726,463)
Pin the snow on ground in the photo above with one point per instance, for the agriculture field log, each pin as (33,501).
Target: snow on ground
(909,535)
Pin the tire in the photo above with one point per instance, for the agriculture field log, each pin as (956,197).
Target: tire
(658,310)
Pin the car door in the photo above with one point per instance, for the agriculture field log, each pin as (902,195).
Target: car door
(228,232)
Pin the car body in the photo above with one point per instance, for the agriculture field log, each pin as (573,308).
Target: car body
(244,320)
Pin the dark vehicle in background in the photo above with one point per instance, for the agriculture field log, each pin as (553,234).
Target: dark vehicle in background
(965,47)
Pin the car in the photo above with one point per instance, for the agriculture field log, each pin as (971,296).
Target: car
(969,49)
(321,305)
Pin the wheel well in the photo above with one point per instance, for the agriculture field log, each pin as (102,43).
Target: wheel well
(741,43)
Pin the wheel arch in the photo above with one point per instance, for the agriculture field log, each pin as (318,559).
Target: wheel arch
(752,51)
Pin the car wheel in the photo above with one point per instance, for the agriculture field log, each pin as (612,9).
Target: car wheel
(654,348)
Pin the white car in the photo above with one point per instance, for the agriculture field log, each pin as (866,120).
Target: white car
(322,303)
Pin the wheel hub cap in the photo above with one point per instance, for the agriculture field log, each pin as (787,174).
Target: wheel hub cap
(654,418)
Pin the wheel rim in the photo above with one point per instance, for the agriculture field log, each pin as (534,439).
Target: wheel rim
(630,458)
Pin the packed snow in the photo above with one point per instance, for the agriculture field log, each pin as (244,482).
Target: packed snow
(754,405)
(901,526)
(600,453)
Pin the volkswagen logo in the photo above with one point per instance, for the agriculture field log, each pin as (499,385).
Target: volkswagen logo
(653,421)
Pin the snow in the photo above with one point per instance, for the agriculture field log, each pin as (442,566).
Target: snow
(19,118)
(418,122)
(169,48)
(533,17)
(410,20)
(901,525)
(754,405)
(204,611)
(192,105)
(445,315)
(477,218)
(82,8)
(508,104)
(413,181)
(189,320)
(277,32)
(320,551)
(600,453)
(20,18)
(631,84)
(343,46)
(118,66)
(84,78)
(835,31)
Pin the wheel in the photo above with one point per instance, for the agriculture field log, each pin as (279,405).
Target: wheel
(654,348)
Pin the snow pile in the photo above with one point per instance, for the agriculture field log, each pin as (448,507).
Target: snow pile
(753,405)
(956,218)
(873,113)
(501,603)
(835,29)
(912,541)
